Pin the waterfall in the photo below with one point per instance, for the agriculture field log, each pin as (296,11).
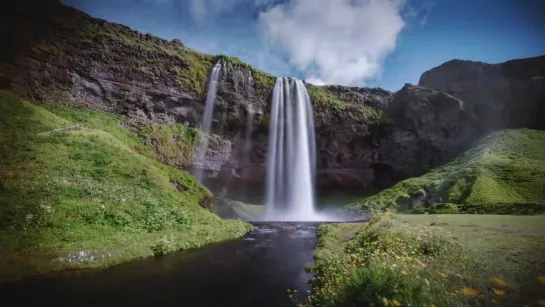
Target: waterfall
(248,138)
(207,121)
(246,151)
(291,155)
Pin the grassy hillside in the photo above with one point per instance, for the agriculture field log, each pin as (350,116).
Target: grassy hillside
(431,260)
(78,190)
(503,173)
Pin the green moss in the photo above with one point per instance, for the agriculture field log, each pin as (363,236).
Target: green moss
(506,167)
(264,81)
(326,104)
(173,143)
(191,68)
(195,74)
(74,181)
(322,98)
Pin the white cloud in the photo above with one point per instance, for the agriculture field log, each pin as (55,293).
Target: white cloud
(335,41)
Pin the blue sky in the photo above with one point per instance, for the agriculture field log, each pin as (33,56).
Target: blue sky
(383,43)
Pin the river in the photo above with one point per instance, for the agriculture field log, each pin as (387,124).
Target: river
(255,270)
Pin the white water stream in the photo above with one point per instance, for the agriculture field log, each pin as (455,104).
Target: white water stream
(291,155)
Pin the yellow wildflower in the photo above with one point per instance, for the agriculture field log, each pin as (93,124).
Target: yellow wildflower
(470,292)
(443,275)
(396,303)
(432,305)
(499,282)
(498,292)
(384,301)
(541,279)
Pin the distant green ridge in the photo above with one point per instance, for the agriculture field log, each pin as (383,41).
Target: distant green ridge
(503,173)
(78,190)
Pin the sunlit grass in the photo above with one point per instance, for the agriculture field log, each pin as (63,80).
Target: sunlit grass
(429,261)
(504,173)
(78,190)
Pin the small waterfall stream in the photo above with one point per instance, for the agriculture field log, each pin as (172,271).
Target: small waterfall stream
(200,157)
(248,137)
(291,155)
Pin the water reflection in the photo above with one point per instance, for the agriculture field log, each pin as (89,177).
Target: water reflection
(253,271)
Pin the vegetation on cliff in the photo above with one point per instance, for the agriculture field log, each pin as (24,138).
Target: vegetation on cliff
(185,66)
(78,190)
(430,260)
(326,104)
(173,144)
(264,82)
(71,39)
(503,173)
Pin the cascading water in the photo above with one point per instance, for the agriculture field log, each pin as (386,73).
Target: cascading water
(247,150)
(291,155)
(248,138)
(207,121)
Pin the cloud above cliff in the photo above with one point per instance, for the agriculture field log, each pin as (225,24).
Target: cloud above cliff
(334,41)
(382,43)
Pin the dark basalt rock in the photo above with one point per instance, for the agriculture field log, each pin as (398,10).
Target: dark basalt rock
(430,128)
(505,95)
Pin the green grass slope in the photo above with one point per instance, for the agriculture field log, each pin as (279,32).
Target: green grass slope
(504,173)
(77,191)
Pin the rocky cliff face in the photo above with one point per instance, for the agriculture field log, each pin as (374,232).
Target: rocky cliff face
(430,128)
(506,95)
(366,138)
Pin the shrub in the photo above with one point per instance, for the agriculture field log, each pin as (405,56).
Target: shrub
(445,209)
(163,246)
